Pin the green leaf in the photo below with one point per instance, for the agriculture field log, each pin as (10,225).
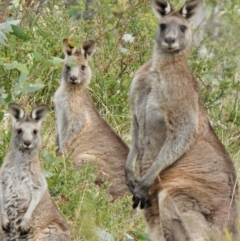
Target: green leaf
(47,174)
(104,235)
(48,157)
(3,39)
(7,26)
(21,67)
(22,78)
(16,65)
(37,55)
(4,96)
(33,87)
(9,66)
(72,61)
(57,61)
(18,32)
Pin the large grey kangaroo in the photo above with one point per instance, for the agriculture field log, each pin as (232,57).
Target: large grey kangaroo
(80,128)
(186,181)
(28,212)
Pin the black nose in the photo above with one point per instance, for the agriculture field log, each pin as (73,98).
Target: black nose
(170,40)
(73,78)
(27,143)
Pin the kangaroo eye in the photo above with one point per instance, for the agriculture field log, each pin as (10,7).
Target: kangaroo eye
(163,26)
(68,67)
(35,132)
(83,67)
(183,28)
(19,131)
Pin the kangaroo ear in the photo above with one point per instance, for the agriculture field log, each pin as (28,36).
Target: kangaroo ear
(67,48)
(190,8)
(161,8)
(16,112)
(39,113)
(88,47)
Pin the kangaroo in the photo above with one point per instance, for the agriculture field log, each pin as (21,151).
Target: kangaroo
(27,210)
(80,127)
(177,169)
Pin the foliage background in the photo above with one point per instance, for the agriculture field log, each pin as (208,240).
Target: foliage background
(30,69)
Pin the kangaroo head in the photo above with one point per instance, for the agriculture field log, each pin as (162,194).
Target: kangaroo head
(76,69)
(174,33)
(26,128)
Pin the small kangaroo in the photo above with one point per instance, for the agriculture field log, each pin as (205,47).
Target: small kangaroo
(80,127)
(185,182)
(27,209)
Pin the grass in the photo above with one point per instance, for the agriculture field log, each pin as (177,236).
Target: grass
(85,205)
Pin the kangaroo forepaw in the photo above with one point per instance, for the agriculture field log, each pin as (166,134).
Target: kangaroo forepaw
(6,227)
(5,223)
(131,182)
(141,196)
(24,226)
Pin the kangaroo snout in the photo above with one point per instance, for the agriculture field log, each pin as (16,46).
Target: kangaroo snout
(27,144)
(73,79)
(170,40)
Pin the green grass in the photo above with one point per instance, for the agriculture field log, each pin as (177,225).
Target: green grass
(85,205)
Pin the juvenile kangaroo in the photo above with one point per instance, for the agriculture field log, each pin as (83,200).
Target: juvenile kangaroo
(80,127)
(186,181)
(27,211)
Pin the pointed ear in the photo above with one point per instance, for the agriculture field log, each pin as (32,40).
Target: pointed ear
(161,8)
(39,113)
(16,112)
(190,8)
(67,48)
(88,47)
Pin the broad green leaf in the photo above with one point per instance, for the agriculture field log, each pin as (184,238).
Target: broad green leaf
(72,61)
(48,157)
(33,87)
(16,65)
(4,96)
(104,235)
(47,174)
(9,66)
(17,89)
(22,78)
(2,42)
(18,32)
(7,26)
(57,61)
(37,55)
(3,38)
(21,67)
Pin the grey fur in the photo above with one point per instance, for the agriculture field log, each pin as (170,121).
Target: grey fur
(27,210)
(81,129)
(176,161)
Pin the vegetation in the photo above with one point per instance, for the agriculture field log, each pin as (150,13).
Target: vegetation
(31,34)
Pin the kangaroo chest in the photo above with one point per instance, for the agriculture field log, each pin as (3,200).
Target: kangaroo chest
(18,185)
(151,128)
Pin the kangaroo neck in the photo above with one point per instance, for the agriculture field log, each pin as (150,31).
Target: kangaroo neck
(25,156)
(164,60)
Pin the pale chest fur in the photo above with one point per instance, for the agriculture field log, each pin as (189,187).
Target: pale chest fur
(19,182)
(71,113)
(151,123)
